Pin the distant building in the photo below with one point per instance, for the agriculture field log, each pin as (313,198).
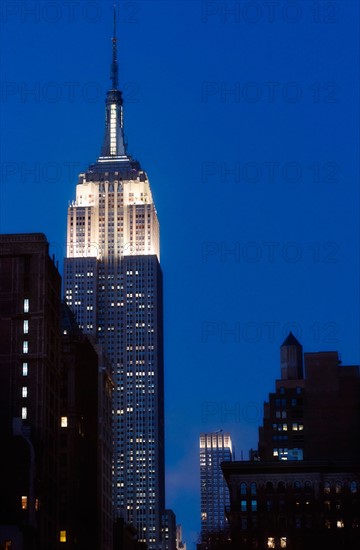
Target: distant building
(180,545)
(215,448)
(30,289)
(301,491)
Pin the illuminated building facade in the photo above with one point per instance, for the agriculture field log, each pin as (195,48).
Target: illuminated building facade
(215,448)
(113,284)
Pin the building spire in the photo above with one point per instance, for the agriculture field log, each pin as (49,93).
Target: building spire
(114,64)
(114,143)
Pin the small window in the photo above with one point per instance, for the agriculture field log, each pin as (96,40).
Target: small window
(353,487)
(25,369)
(269,487)
(254,505)
(282,542)
(308,485)
(282,390)
(243,506)
(24,503)
(24,413)
(25,347)
(271,542)
(64,422)
(26,327)
(253,488)
(62,536)
(340,524)
(243,488)
(338,487)
(297,485)
(26,305)
(24,391)
(298,390)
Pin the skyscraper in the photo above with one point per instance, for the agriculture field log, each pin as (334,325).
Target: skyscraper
(214,448)
(113,284)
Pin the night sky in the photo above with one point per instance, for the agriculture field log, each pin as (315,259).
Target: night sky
(245,116)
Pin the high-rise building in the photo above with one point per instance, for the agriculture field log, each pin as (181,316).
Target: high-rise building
(30,288)
(215,448)
(113,284)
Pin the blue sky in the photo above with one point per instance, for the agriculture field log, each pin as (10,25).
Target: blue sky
(246,119)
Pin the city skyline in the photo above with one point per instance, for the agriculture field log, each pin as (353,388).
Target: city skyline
(180,120)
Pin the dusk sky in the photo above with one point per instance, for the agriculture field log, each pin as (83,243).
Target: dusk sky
(245,116)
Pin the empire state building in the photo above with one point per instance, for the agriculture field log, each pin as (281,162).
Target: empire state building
(113,284)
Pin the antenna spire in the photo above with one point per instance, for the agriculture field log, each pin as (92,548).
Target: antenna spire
(114,65)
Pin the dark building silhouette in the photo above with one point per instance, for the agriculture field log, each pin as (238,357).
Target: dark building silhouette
(55,412)
(86,518)
(30,288)
(168,530)
(301,490)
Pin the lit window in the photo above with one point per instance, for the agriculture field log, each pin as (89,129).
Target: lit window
(271,542)
(62,536)
(26,305)
(24,413)
(353,487)
(326,487)
(25,347)
(243,506)
(24,369)
(339,524)
(64,421)
(24,391)
(26,327)
(295,427)
(338,487)
(24,503)
(254,506)
(282,542)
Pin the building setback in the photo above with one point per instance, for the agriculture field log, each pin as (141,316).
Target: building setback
(113,284)
(301,491)
(30,288)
